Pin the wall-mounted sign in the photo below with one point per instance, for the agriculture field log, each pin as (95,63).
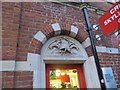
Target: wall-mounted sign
(110,21)
(109,77)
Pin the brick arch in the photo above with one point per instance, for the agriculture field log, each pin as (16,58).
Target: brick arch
(58,29)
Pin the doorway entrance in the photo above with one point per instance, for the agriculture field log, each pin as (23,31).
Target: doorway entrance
(65,76)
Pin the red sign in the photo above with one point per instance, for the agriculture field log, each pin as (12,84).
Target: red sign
(110,21)
(64,78)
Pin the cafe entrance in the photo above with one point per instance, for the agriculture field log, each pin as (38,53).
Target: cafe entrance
(64,64)
(65,76)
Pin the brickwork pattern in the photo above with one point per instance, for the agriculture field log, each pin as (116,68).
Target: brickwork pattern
(111,60)
(21,21)
(18,79)
(10,27)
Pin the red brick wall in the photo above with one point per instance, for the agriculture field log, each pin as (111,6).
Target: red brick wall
(24,79)
(33,17)
(110,41)
(21,21)
(18,79)
(111,60)
(10,28)
(7,79)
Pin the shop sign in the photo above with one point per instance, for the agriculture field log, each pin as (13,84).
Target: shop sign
(110,21)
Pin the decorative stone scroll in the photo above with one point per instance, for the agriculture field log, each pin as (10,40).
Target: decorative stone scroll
(63,46)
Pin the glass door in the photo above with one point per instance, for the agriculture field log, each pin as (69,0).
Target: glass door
(64,77)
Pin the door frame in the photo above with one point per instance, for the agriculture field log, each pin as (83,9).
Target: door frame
(79,67)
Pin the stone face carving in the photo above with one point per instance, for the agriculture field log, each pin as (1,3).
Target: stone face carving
(63,46)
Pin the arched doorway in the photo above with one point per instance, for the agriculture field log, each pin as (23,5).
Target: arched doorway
(67,55)
(54,51)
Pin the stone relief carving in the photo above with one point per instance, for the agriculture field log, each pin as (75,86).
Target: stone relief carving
(63,46)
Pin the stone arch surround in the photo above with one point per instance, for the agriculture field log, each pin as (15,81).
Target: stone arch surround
(59,29)
(36,62)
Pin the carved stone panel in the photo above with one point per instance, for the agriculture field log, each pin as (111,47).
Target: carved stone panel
(63,46)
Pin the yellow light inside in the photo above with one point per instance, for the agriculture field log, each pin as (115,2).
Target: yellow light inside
(58,70)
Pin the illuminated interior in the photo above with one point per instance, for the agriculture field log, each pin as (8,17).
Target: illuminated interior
(64,79)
